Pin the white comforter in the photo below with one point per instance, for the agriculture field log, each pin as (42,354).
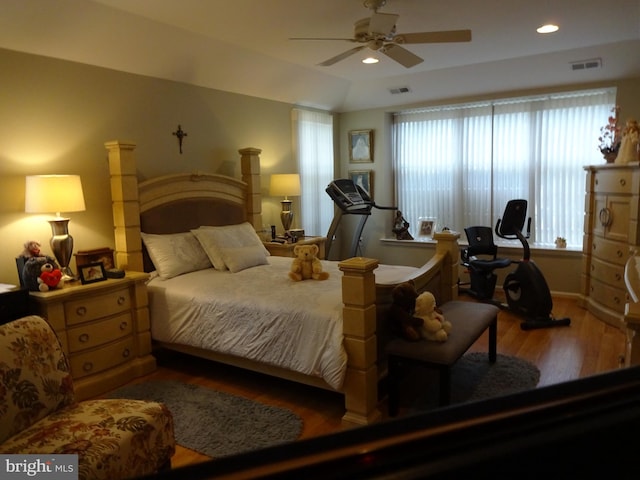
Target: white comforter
(257,313)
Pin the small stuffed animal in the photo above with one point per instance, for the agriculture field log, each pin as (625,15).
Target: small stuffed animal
(434,327)
(40,274)
(306,264)
(31,249)
(401,313)
(50,277)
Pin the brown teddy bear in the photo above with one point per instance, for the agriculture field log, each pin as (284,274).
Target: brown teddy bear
(306,264)
(401,313)
(434,326)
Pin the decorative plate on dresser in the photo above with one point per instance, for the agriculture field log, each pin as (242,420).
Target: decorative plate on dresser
(104,329)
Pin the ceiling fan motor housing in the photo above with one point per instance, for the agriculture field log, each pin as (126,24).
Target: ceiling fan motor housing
(362,32)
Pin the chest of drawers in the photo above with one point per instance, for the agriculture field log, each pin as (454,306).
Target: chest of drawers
(610,236)
(104,329)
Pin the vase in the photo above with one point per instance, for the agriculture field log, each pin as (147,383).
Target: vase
(610,157)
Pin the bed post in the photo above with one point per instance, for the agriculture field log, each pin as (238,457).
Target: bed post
(250,169)
(359,328)
(126,209)
(448,245)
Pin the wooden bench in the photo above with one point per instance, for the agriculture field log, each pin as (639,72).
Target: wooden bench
(469,320)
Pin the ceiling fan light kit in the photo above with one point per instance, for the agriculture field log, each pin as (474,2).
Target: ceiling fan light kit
(378,33)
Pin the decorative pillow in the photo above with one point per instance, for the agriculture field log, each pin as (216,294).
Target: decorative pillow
(239,258)
(215,239)
(175,253)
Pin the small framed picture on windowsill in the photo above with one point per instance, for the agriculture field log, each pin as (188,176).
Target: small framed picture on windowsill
(92,272)
(426,227)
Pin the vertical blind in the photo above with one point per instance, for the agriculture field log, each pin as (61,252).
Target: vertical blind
(461,164)
(313,148)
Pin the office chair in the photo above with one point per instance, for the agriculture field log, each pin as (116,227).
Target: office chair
(480,258)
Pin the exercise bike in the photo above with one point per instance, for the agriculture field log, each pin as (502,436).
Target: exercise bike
(525,288)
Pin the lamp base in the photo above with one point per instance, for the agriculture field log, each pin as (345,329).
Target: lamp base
(62,246)
(286,215)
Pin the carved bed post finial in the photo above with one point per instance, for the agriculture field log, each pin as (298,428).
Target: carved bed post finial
(180,134)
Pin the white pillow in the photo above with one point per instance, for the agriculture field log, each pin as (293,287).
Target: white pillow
(215,239)
(239,258)
(175,253)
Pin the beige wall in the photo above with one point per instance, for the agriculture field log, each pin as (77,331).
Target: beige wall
(562,273)
(56,116)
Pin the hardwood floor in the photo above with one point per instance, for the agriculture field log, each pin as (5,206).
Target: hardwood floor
(587,347)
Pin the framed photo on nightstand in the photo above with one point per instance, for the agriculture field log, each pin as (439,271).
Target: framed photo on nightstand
(92,272)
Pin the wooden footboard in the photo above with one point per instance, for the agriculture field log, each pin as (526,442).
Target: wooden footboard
(366,325)
(365,303)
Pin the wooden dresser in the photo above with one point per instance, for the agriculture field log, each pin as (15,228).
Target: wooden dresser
(104,329)
(611,236)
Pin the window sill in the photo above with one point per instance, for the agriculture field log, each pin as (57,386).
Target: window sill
(506,246)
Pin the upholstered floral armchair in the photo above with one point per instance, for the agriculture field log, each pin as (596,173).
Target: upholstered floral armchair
(113,439)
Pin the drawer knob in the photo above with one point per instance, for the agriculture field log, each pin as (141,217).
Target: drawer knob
(121,300)
(616,300)
(125,353)
(88,366)
(123,325)
(623,182)
(84,338)
(605,217)
(81,311)
(619,253)
(618,277)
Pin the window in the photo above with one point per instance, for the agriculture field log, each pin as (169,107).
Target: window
(461,164)
(313,148)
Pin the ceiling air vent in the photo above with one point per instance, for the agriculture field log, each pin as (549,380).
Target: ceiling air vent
(397,90)
(586,64)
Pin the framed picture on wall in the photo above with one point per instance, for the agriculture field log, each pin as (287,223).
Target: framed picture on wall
(426,227)
(361,146)
(363,179)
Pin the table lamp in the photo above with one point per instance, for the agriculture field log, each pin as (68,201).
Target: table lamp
(56,193)
(286,185)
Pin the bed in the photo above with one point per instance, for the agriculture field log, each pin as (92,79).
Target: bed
(345,356)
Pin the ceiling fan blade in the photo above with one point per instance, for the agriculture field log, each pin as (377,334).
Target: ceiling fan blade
(445,36)
(401,55)
(324,38)
(342,56)
(382,23)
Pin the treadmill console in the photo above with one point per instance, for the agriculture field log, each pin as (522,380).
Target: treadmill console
(347,195)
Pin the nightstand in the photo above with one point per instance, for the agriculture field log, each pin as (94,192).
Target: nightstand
(104,329)
(286,249)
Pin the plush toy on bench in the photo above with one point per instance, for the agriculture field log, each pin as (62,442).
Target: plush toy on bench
(434,327)
(402,320)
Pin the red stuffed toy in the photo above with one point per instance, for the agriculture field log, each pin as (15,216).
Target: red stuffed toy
(50,277)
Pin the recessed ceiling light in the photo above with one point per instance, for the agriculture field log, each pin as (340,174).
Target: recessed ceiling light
(549,28)
(370,60)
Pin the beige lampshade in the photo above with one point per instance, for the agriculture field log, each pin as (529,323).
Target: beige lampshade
(284,185)
(53,193)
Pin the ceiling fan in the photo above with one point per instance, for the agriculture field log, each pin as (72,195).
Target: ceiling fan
(378,33)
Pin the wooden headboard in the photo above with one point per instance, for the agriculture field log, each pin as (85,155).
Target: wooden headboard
(176,203)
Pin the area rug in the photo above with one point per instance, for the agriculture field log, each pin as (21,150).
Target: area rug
(472,378)
(214,423)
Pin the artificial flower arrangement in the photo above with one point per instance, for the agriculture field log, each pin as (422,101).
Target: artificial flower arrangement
(610,134)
